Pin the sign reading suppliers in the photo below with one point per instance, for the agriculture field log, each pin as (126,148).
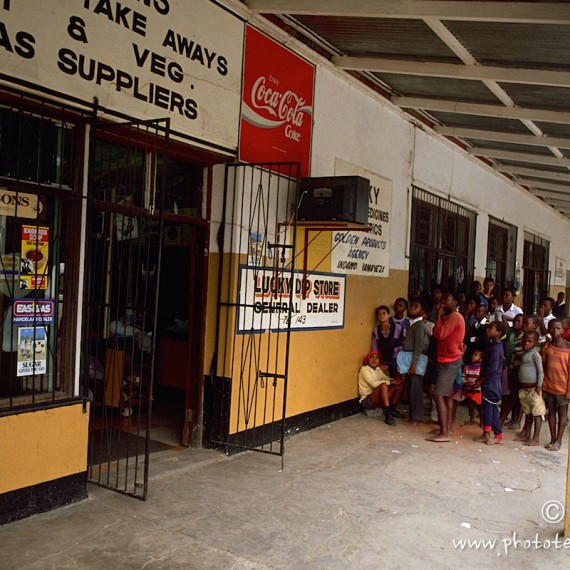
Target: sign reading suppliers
(277,103)
(33,311)
(144,59)
(317,301)
(365,253)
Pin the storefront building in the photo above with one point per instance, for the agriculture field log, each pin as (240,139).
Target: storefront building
(161,259)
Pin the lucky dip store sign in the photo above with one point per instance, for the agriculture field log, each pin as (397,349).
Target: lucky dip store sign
(277,103)
(317,301)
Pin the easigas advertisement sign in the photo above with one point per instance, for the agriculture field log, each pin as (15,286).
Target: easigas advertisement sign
(33,311)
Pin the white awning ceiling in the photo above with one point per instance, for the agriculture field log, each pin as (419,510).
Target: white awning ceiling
(493,76)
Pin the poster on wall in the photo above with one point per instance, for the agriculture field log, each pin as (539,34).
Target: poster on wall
(255,248)
(560,273)
(143,59)
(277,103)
(32,351)
(264,296)
(365,253)
(34,257)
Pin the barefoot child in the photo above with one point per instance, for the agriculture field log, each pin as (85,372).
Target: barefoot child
(471,387)
(490,381)
(413,361)
(375,388)
(556,363)
(530,377)
(512,362)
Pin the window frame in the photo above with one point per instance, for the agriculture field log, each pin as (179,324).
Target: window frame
(68,198)
(432,253)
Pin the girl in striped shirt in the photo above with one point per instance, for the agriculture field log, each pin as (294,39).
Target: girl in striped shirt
(556,390)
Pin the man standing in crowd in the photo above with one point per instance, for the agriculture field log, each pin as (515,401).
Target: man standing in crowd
(449,330)
(559,309)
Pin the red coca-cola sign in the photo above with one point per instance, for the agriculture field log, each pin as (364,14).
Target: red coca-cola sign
(277,104)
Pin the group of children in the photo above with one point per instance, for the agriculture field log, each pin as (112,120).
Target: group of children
(512,364)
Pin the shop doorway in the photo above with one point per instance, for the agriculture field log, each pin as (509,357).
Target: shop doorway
(143,302)
(181,303)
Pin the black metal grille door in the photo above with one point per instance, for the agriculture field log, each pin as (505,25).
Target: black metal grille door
(121,296)
(248,382)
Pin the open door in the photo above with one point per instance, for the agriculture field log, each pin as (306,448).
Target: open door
(122,280)
(180,330)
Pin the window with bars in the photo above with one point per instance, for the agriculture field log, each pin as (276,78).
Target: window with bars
(501,244)
(35,148)
(442,244)
(39,252)
(536,251)
(536,274)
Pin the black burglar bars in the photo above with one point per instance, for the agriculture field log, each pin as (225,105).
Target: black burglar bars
(257,243)
(37,249)
(442,249)
(121,299)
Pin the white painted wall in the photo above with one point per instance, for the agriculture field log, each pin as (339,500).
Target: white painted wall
(359,127)
(352,126)
(356,125)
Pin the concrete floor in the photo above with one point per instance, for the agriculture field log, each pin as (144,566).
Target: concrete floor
(353,494)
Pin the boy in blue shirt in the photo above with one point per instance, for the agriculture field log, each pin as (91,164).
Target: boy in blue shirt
(490,381)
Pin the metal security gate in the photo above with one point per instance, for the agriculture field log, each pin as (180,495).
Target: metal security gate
(247,390)
(124,238)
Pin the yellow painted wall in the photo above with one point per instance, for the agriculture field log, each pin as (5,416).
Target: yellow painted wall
(41,446)
(324,364)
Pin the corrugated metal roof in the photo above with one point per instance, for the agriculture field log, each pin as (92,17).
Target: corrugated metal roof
(440,59)
(523,45)
(444,88)
(476,122)
(377,36)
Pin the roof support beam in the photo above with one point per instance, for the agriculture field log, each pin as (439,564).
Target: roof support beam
(520,171)
(543,115)
(454,71)
(549,195)
(555,203)
(517,12)
(514,138)
(540,184)
(560,206)
(519,156)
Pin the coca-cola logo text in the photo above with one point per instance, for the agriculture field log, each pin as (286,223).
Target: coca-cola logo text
(286,106)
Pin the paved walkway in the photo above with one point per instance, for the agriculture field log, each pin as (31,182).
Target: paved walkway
(354,494)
